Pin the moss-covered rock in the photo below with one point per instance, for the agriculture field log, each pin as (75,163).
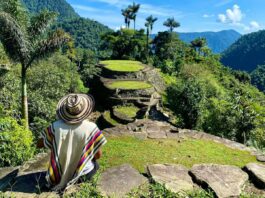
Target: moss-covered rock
(125,114)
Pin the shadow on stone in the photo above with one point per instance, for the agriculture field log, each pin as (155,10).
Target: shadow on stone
(30,183)
(8,179)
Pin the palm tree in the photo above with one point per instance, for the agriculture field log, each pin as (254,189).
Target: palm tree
(171,23)
(127,16)
(27,39)
(149,24)
(198,44)
(134,8)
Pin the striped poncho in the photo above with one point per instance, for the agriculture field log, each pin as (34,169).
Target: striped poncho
(72,149)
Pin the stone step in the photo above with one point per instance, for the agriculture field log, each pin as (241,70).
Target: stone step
(256,173)
(119,181)
(224,180)
(176,178)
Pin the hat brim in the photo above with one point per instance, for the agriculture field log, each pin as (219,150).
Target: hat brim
(74,119)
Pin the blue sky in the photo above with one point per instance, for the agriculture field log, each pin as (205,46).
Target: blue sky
(194,15)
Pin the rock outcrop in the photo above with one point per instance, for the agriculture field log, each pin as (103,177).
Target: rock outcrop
(175,177)
(257,174)
(119,181)
(226,181)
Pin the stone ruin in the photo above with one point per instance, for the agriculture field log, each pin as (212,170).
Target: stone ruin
(129,95)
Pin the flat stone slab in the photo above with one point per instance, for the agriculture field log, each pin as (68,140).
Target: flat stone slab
(256,173)
(7,175)
(175,177)
(226,181)
(119,181)
(261,158)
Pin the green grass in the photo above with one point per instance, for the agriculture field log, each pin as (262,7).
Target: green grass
(123,65)
(129,111)
(128,85)
(140,153)
(108,118)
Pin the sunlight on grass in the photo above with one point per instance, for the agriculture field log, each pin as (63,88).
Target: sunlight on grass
(129,111)
(140,153)
(108,118)
(129,85)
(123,65)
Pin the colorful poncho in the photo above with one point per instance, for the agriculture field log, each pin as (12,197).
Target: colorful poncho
(72,149)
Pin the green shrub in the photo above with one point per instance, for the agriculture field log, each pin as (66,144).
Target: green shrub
(16,143)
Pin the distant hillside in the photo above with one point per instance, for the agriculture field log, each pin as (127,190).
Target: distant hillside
(247,53)
(217,41)
(86,32)
(61,6)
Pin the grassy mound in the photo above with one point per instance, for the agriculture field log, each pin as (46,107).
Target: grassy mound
(123,65)
(129,111)
(128,85)
(140,153)
(109,119)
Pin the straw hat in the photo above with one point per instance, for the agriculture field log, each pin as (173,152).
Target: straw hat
(74,108)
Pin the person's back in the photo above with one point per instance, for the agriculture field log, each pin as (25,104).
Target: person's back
(73,149)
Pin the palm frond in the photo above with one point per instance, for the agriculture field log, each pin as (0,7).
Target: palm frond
(48,46)
(13,38)
(16,10)
(40,23)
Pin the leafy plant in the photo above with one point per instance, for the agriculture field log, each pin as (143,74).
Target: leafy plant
(16,143)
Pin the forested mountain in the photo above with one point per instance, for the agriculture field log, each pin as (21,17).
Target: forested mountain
(85,32)
(61,6)
(217,41)
(247,53)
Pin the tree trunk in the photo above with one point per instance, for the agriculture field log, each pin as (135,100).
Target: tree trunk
(147,41)
(134,24)
(24,97)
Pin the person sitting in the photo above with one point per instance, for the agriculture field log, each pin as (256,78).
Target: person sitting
(74,142)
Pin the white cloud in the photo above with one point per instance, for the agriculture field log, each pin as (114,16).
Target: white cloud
(233,15)
(85,8)
(207,15)
(223,2)
(234,18)
(222,18)
(145,8)
(254,25)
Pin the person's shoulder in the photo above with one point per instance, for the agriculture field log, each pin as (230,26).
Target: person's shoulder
(89,124)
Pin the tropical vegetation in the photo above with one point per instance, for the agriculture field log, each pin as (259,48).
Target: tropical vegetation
(201,93)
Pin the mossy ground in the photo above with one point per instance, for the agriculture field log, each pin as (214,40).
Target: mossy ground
(109,119)
(128,85)
(129,111)
(140,153)
(123,65)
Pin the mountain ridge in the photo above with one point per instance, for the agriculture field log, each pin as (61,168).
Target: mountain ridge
(246,53)
(217,41)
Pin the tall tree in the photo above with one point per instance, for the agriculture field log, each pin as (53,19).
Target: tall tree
(171,23)
(27,39)
(134,8)
(198,44)
(149,24)
(126,13)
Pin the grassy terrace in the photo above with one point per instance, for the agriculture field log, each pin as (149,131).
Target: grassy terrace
(129,111)
(123,65)
(128,85)
(140,153)
(108,118)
